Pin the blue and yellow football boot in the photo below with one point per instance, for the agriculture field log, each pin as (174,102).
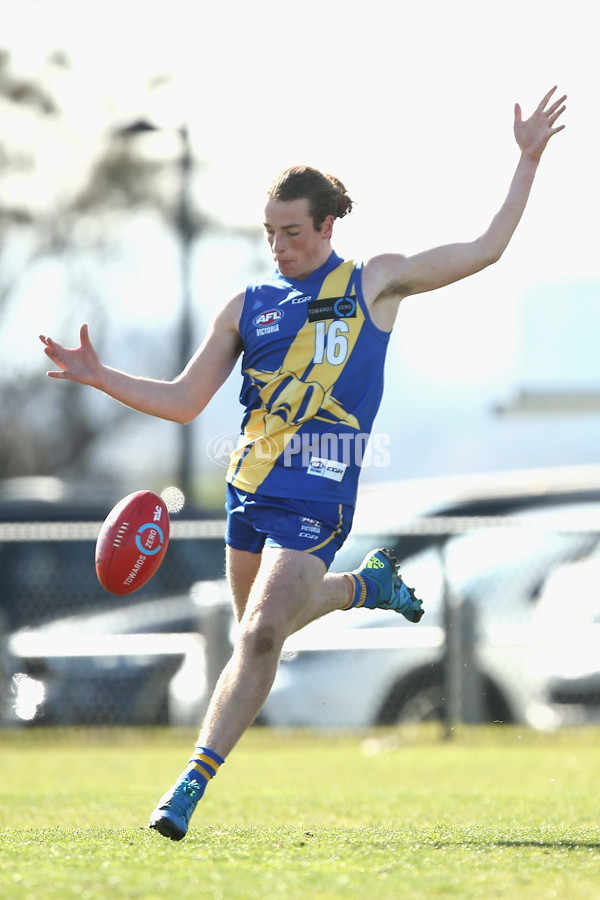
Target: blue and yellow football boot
(378,585)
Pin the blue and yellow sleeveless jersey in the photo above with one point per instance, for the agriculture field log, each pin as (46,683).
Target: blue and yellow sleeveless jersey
(312,382)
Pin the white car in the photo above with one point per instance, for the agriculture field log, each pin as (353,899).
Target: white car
(475,656)
(571,669)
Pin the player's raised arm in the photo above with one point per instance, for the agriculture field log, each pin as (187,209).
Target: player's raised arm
(392,276)
(178,400)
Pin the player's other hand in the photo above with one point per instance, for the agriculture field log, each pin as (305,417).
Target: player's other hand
(80,364)
(533,134)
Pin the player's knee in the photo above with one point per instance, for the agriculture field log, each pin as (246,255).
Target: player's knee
(261,639)
(265,640)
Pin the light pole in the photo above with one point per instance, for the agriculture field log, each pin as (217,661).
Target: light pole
(540,401)
(186,336)
(185,232)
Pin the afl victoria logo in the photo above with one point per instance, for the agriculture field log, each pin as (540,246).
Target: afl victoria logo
(267,318)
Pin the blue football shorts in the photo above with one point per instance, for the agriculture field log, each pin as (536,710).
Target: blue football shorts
(313,526)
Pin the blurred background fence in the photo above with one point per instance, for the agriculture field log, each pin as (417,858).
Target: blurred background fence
(511,631)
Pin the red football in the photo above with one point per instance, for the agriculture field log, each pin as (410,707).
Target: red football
(132,542)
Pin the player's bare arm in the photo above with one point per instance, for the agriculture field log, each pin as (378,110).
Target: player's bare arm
(178,400)
(389,278)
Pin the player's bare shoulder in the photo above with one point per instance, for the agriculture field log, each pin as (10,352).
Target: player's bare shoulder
(383,287)
(229,315)
(383,276)
(224,327)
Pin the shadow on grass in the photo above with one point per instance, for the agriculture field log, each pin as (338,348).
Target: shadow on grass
(521,843)
(550,845)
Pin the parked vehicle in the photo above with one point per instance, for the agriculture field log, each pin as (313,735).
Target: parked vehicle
(572,593)
(113,667)
(148,661)
(362,668)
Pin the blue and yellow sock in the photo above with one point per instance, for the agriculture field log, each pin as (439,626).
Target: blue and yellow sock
(364,592)
(202,768)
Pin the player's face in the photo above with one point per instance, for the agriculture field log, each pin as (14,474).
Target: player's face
(298,249)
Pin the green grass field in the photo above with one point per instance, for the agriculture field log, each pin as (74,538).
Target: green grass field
(492,813)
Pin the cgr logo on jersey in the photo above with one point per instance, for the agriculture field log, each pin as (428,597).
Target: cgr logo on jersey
(326,468)
(295,296)
(267,322)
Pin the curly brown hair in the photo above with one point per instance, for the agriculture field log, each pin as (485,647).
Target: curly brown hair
(326,194)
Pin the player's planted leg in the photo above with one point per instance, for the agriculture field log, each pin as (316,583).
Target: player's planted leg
(287,581)
(173,813)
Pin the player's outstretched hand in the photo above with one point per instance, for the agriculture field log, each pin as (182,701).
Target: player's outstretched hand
(78,364)
(533,134)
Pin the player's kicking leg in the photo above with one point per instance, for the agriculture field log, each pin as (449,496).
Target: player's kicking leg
(376,584)
(379,585)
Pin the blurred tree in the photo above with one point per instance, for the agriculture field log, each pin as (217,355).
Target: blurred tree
(73,218)
(20,99)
